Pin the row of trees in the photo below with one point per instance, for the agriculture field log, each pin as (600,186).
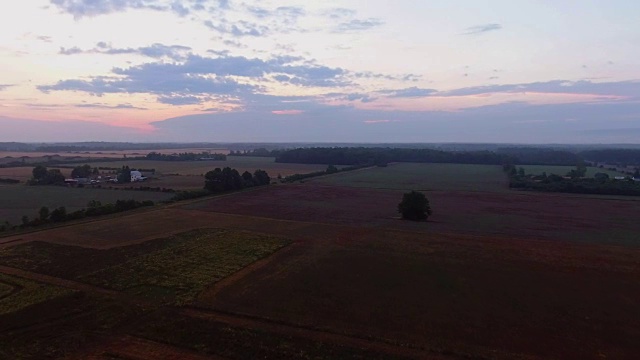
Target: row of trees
(94,208)
(44,176)
(228,179)
(382,156)
(574,182)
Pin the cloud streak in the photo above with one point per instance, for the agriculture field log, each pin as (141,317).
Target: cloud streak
(156,51)
(481,29)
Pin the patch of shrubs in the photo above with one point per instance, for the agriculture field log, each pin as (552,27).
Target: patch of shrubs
(9,181)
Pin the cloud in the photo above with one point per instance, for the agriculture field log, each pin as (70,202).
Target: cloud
(339,13)
(180,100)
(480,29)
(287,112)
(71,51)
(237,29)
(103,106)
(358,25)
(90,8)
(5,86)
(156,51)
(629,89)
(411,92)
(187,82)
(372,75)
(378,121)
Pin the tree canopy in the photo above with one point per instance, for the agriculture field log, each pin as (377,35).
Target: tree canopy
(414,206)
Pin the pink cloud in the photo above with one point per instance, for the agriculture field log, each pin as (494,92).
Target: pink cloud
(287,112)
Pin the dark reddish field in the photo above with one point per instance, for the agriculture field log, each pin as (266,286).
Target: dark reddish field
(491,275)
(455,295)
(511,214)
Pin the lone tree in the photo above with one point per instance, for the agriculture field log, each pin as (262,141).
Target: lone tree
(414,206)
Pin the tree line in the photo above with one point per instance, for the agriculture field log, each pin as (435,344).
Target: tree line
(382,156)
(228,179)
(60,214)
(573,182)
(186,156)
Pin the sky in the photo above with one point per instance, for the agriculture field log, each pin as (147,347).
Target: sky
(320,71)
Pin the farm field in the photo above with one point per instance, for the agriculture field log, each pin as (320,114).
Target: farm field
(17,294)
(173,269)
(17,155)
(327,270)
(508,214)
(19,200)
(241,163)
(563,170)
(25,173)
(423,177)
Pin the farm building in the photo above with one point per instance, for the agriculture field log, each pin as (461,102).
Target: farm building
(137,176)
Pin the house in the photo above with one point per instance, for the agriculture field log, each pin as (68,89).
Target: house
(620,177)
(137,176)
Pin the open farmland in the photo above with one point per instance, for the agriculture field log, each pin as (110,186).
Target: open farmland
(493,274)
(189,175)
(19,200)
(564,170)
(241,163)
(173,269)
(423,177)
(510,214)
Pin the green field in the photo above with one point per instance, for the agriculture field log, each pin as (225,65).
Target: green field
(563,170)
(418,176)
(19,200)
(190,263)
(27,293)
(172,270)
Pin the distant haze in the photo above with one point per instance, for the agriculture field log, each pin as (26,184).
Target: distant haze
(327,71)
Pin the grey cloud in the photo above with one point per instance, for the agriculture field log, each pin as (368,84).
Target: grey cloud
(151,82)
(358,25)
(621,88)
(412,92)
(338,13)
(175,52)
(372,75)
(90,8)
(103,106)
(237,29)
(181,83)
(5,86)
(70,51)
(44,38)
(235,44)
(180,100)
(479,29)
